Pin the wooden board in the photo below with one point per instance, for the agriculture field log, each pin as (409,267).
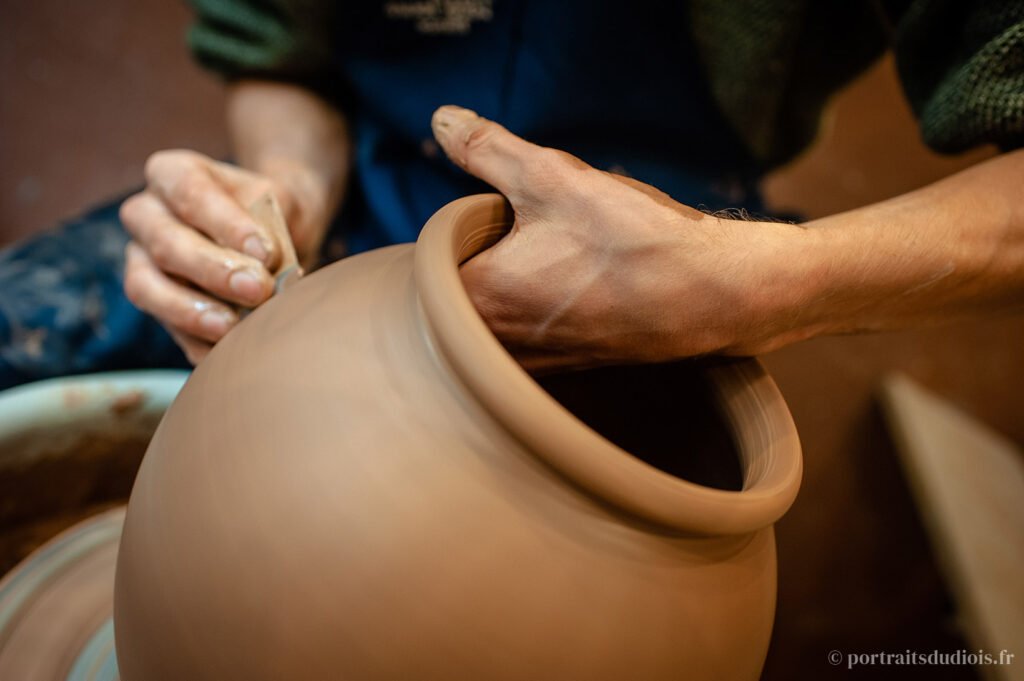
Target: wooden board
(968,482)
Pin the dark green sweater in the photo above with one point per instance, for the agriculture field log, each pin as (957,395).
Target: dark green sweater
(771,64)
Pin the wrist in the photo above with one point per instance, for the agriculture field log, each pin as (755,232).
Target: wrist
(784,270)
(301,143)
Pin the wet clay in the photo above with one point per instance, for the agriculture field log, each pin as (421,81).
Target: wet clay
(359,482)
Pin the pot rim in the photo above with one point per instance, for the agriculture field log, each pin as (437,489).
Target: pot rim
(763,428)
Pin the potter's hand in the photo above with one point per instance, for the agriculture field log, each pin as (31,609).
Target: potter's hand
(599,268)
(196,252)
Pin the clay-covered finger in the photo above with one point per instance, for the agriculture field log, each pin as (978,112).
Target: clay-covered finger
(182,251)
(184,181)
(175,305)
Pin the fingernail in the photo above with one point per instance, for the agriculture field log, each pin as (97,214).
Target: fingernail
(449,123)
(247,285)
(216,322)
(256,247)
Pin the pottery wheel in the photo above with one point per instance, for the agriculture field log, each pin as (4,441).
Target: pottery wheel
(56,607)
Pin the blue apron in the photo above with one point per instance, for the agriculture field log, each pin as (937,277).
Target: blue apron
(617,84)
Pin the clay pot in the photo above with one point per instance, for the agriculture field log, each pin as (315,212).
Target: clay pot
(360,483)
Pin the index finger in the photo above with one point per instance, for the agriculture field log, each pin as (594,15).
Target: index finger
(200,201)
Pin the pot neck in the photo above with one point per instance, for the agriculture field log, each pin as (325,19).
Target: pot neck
(762,428)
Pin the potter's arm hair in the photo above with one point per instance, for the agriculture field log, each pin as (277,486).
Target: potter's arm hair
(951,249)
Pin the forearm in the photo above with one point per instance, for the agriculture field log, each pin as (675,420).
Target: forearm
(950,250)
(293,136)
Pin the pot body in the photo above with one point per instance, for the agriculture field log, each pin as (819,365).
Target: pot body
(327,499)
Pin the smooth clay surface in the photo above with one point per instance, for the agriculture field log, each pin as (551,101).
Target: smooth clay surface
(359,482)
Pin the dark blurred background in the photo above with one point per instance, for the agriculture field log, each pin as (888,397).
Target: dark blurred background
(90,89)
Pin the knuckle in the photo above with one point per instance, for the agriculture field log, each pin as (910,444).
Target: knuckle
(160,161)
(162,251)
(187,194)
(544,175)
(481,136)
(547,164)
(154,164)
(551,173)
(130,210)
(187,319)
(167,168)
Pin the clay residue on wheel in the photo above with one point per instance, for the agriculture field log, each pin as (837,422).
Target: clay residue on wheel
(74,398)
(18,540)
(128,402)
(56,489)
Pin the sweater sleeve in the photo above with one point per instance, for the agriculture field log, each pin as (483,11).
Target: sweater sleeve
(276,39)
(962,67)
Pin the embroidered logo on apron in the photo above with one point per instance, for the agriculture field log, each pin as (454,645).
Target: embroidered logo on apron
(443,17)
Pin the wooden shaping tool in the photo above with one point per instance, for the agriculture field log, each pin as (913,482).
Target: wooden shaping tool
(267,213)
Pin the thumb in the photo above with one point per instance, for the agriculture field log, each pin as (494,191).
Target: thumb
(485,149)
